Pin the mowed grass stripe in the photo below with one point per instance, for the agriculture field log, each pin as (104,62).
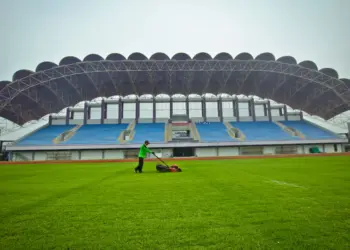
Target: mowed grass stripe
(224,204)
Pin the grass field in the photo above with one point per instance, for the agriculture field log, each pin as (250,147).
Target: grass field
(296,203)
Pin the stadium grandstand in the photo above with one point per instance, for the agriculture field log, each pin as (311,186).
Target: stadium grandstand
(202,106)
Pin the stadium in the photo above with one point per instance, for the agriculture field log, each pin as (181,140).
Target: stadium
(256,106)
(71,134)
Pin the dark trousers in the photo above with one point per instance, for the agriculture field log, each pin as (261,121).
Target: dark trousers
(140,166)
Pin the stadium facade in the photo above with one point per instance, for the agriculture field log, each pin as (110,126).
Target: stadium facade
(169,90)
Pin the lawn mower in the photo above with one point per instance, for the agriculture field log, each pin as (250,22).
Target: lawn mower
(165,168)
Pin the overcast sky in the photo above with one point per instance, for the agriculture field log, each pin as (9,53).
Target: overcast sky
(33,31)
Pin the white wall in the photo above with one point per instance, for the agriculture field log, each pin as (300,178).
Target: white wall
(228,151)
(243,108)
(245,118)
(259,109)
(22,156)
(206,152)
(129,111)
(163,110)
(91,154)
(227,109)
(97,121)
(300,149)
(213,119)
(179,108)
(162,119)
(146,110)
(78,115)
(110,121)
(59,122)
(112,111)
(230,119)
(212,109)
(157,151)
(95,113)
(269,150)
(167,152)
(145,120)
(40,156)
(114,154)
(75,155)
(195,109)
(329,148)
(278,118)
(262,118)
(275,112)
(76,121)
(294,117)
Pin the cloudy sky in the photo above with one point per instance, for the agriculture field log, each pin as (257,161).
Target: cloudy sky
(33,31)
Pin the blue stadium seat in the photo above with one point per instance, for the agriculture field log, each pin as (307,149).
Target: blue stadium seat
(97,134)
(44,136)
(310,131)
(154,132)
(213,132)
(262,131)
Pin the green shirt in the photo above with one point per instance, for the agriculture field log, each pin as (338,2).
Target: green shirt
(143,151)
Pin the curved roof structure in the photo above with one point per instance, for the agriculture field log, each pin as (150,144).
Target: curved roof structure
(11,132)
(51,87)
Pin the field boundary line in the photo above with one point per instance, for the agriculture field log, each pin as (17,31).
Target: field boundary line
(178,159)
(283,183)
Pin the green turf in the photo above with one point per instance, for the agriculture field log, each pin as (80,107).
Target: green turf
(299,203)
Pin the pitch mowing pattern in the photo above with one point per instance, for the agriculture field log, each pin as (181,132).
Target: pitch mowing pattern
(297,203)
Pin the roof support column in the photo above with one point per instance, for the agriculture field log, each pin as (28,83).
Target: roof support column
(280,111)
(154,110)
(285,112)
(204,109)
(137,111)
(67,116)
(236,108)
(252,108)
(187,107)
(220,109)
(301,115)
(171,107)
(120,111)
(85,113)
(269,110)
(50,120)
(103,111)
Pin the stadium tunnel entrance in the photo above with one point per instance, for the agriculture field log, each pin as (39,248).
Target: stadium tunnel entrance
(183,152)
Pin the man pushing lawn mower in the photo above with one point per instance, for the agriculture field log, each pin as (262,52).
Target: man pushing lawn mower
(142,154)
(160,168)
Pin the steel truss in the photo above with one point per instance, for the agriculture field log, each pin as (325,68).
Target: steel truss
(26,86)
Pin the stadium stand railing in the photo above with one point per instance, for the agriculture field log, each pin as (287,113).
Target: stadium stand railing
(45,135)
(262,131)
(194,131)
(153,131)
(213,132)
(136,133)
(308,130)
